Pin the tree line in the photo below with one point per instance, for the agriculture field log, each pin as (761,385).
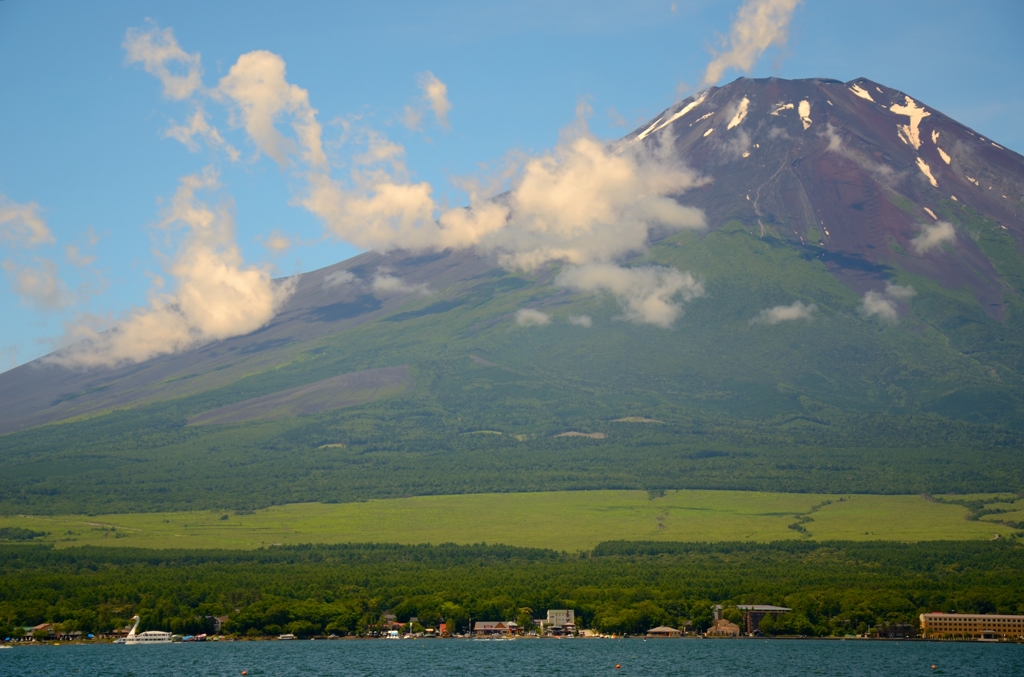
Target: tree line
(619,587)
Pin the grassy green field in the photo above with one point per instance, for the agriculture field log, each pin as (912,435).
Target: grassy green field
(565,520)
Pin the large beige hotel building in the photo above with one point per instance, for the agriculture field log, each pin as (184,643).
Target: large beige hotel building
(982,626)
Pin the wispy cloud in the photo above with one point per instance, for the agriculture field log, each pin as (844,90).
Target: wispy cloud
(581,320)
(436,94)
(883,173)
(277,242)
(39,285)
(759,25)
(885,303)
(338,278)
(384,284)
(257,87)
(21,224)
(159,52)
(933,236)
(529,317)
(650,294)
(796,311)
(199,127)
(433,97)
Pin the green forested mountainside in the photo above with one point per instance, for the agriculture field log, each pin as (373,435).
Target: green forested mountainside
(841,403)
(833,588)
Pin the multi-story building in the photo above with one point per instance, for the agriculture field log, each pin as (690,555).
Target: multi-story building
(559,622)
(561,617)
(982,626)
(753,613)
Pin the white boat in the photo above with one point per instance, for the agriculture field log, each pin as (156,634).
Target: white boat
(148,637)
(287,635)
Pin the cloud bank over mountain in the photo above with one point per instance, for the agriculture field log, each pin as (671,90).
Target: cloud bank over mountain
(212,294)
(585,203)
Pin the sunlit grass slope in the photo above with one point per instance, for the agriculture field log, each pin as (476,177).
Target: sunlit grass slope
(570,521)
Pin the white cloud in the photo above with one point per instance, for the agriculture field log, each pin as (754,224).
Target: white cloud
(883,173)
(796,311)
(214,295)
(738,145)
(436,94)
(200,127)
(933,236)
(413,118)
(389,285)
(528,317)
(759,25)
(257,87)
(277,242)
(338,278)
(40,285)
(583,202)
(581,320)
(21,224)
(156,50)
(650,294)
(884,303)
(74,255)
(580,203)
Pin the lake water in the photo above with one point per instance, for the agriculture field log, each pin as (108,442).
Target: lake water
(579,658)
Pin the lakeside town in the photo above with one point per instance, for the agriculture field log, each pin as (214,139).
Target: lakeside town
(739,621)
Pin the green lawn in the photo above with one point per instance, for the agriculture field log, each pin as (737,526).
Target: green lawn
(565,520)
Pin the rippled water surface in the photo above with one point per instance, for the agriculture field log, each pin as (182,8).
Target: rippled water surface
(521,657)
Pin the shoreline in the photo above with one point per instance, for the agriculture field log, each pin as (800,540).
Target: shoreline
(788,638)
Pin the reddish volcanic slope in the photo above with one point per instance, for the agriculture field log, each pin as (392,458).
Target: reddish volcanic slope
(851,172)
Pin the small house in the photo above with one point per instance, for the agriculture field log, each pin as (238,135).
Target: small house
(723,628)
(494,628)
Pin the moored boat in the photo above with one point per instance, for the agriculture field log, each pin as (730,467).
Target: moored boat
(148,637)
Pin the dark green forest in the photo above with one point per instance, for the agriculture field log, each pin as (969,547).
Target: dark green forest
(142,460)
(623,587)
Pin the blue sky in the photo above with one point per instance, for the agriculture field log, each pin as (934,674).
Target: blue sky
(83,134)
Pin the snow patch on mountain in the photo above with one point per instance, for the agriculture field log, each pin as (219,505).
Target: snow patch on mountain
(741,113)
(910,133)
(927,171)
(862,93)
(650,129)
(944,155)
(805,113)
(683,111)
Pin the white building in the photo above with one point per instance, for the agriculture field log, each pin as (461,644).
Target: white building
(561,617)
